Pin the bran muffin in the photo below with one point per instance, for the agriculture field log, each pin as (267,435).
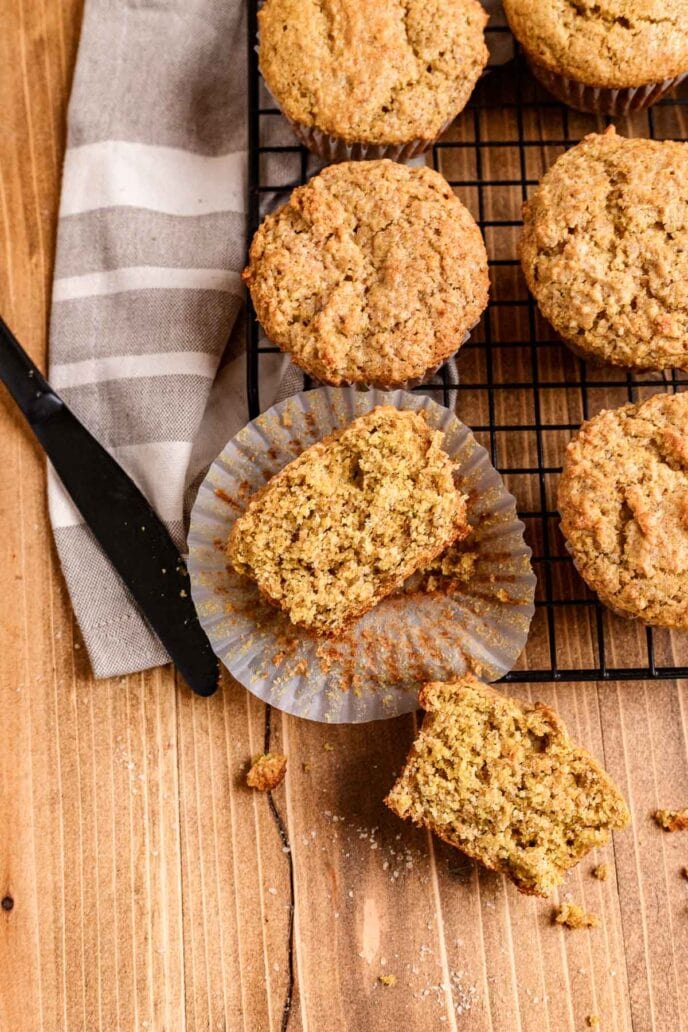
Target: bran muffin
(623,499)
(347,522)
(500,779)
(373,273)
(604,56)
(605,250)
(367,80)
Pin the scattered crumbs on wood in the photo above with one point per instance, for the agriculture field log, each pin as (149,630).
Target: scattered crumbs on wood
(387,979)
(592,1021)
(328,747)
(672,820)
(306,767)
(267,772)
(570,915)
(601,872)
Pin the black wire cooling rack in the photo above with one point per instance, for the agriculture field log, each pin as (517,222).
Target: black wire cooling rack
(521,391)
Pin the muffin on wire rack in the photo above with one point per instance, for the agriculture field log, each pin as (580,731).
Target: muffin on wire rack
(604,56)
(605,250)
(373,274)
(371,80)
(623,499)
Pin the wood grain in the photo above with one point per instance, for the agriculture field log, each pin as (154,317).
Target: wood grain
(150,890)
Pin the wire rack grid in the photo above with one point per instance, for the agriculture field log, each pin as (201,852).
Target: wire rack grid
(520,389)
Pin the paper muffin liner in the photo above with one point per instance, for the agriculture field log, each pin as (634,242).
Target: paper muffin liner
(474,616)
(598,99)
(334,148)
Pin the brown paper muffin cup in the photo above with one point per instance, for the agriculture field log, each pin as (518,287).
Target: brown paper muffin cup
(333,149)
(599,100)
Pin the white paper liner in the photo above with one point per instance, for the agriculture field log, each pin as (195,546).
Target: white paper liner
(601,100)
(375,669)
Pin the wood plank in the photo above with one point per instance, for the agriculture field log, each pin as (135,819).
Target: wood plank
(152,890)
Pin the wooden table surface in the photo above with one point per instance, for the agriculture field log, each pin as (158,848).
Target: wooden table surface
(144,887)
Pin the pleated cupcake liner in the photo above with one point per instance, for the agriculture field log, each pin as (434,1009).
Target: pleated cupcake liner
(475,616)
(602,100)
(333,148)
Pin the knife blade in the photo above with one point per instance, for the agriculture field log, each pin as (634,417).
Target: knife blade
(130,533)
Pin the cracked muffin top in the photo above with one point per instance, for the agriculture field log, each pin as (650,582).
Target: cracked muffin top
(614,44)
(623,499)
(347,522)
(385,72)
(604,250)
(372,273)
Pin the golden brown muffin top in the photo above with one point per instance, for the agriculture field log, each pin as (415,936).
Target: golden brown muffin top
(605,250)
(623,499)
(500,779)
(385,72)
(609,43)
(373,272)
(347,522)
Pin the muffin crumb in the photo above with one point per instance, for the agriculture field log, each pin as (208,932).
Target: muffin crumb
(387,979)
(672,820)
(592,1021)
(570,915)
(267,772)
(601,872)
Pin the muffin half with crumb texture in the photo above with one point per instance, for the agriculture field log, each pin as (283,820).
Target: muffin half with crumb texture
(500,779)
(623,499)
(359,79)
(347,522)
(605,250)
(373,273)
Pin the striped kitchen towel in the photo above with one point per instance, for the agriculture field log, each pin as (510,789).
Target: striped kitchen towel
(147,284)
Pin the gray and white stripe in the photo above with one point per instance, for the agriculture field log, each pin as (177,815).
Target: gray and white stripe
(147,281)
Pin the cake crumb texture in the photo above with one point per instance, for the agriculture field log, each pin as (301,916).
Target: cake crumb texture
(372,273)
(623,499)
(605,250)
(570,915)
(672,820)
(610,43)
(601,872)
(500,780)
(388,980)
(386,72)
(347,522)
(267,772)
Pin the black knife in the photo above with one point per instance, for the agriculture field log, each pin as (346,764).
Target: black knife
(132,536)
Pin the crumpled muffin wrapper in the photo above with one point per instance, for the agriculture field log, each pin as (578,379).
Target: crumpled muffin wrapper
(374,670)
(598,100)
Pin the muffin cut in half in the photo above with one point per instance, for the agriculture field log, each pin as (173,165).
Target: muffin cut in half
(373,273)
(499,779)
(623,499)
(347,522)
